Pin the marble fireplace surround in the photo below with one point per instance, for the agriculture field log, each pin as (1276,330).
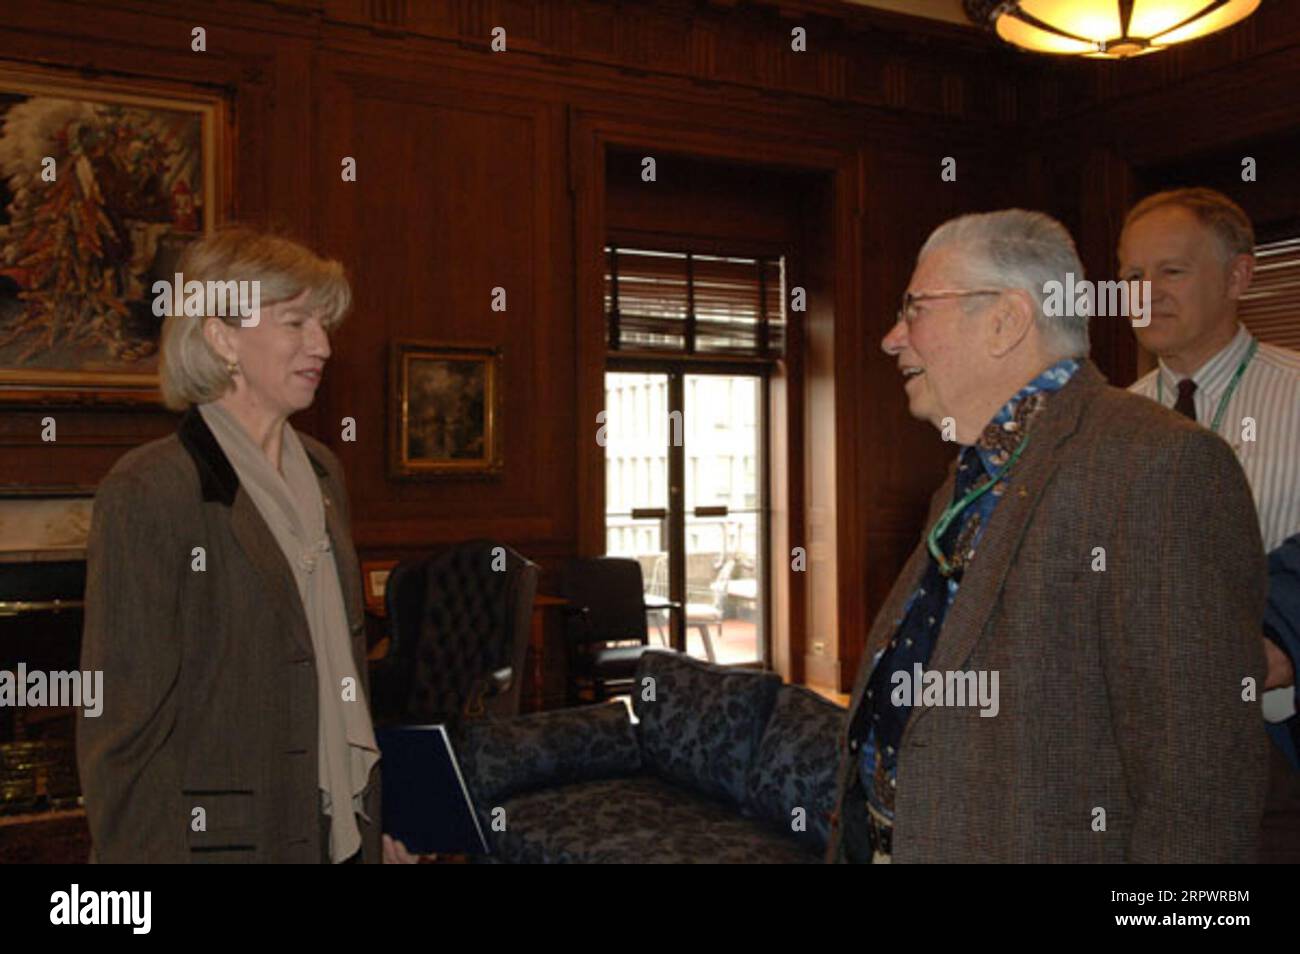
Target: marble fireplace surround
(44,528)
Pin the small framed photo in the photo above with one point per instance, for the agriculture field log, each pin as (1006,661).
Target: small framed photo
(444,418)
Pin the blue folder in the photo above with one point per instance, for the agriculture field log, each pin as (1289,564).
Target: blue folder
(426,805)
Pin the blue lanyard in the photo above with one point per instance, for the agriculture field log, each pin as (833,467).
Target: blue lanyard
(1227,395)
(948,516)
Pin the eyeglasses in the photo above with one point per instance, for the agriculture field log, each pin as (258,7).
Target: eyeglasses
(908,310)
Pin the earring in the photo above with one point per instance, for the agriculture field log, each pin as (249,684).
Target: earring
(232,367)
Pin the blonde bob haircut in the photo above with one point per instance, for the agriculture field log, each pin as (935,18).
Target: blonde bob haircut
(190,371)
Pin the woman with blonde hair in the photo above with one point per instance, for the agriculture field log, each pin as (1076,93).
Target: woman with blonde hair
(223,595)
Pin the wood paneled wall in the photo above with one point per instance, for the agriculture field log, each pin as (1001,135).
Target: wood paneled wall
(479,169)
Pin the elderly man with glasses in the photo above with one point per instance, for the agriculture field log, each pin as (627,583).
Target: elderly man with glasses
(1091,564)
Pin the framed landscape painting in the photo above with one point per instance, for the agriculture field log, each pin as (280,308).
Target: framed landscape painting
(102,185)
(444,413)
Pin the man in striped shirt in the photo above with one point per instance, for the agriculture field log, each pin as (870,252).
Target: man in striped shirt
(1196,247)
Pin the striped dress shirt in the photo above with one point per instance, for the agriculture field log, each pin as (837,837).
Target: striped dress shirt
(1269,394)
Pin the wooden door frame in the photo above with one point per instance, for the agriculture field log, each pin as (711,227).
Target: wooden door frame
(591,134)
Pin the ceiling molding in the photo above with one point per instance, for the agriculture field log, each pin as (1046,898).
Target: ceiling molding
(944,11)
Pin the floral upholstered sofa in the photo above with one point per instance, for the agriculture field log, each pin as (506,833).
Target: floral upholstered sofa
(723,765)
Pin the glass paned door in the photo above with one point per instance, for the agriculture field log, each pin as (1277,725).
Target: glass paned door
(684,496)
(724,511)
(636,484)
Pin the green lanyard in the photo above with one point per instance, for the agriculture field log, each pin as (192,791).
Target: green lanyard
(948,516)
(1227,395)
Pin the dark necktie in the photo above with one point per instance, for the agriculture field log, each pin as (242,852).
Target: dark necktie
(1186,404)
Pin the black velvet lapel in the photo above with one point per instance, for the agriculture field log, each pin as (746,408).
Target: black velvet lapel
(216,476)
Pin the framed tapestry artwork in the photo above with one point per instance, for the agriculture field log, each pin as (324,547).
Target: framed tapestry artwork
(444,410)
(102,185)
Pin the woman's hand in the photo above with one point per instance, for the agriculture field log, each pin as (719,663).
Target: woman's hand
(1280,671)
(395,853)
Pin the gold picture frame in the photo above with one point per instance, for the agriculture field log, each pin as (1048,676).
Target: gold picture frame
(445,410)
(142,166)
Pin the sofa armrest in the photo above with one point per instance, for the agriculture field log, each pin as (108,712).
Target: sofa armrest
(796,766)
(505,757)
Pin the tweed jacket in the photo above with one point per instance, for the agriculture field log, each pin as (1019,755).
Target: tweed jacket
(1122,734)
(209,672)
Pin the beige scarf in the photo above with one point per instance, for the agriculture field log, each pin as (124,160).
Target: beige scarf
(293,509)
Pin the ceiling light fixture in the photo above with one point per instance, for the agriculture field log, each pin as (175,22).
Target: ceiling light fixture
(1106,29)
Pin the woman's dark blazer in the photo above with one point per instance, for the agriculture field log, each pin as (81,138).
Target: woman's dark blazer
(206,749)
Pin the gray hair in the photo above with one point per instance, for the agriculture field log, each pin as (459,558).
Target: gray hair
(190,372)
(1020,249)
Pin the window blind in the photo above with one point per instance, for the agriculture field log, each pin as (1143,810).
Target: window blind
(687,303)
(1270,309)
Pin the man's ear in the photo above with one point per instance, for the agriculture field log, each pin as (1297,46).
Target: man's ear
(1240,272)
(1013,316)
(219,338)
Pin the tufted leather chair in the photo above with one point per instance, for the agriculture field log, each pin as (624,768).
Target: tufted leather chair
(458,621)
